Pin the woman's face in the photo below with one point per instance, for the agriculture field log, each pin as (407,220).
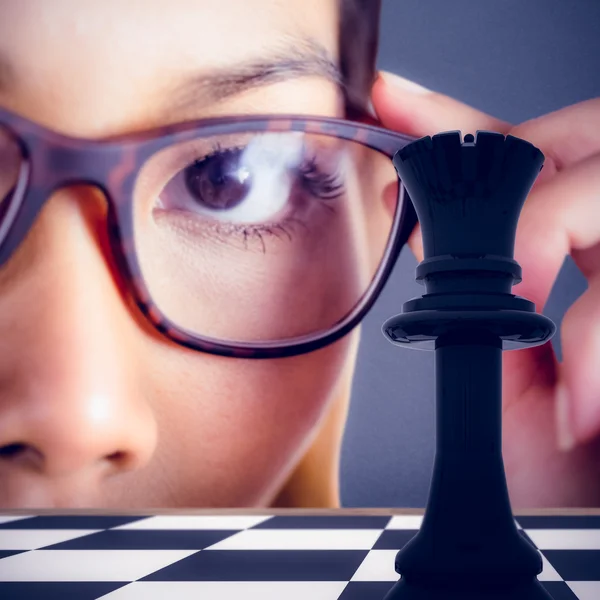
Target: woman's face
(96,408)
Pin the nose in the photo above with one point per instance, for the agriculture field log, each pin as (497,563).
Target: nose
(71,405)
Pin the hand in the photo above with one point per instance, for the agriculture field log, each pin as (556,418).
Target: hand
(551,410)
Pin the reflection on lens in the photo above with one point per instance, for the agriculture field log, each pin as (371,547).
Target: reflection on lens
(10,166)
(262,237)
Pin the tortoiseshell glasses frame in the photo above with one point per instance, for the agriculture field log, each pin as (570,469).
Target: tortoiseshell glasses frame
(50,160)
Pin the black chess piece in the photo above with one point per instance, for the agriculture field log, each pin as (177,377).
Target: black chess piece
(468,197)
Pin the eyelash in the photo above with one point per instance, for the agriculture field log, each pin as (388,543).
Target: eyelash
(259,230)
(329,184)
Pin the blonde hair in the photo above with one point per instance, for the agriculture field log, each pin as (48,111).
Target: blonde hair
(314,482)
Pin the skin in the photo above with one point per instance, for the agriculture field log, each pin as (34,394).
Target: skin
(109,413)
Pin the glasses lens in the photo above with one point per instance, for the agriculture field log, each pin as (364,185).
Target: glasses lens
(263,237)
(10,167)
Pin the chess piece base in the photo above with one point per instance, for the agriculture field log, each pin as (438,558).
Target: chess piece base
(534,590)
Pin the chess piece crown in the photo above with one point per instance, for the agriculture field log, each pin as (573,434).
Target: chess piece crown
(467,185)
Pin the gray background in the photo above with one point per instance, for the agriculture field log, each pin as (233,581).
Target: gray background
(514,59)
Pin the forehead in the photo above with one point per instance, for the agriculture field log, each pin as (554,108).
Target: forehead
(172,22)
(118,34)
(109,53)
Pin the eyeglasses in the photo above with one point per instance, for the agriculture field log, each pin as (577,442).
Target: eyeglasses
(246,236)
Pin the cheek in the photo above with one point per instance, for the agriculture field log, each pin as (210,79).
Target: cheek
(230,430)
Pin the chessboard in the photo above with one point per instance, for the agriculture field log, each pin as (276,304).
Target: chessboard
(267,557)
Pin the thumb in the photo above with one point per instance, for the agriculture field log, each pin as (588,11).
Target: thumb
(407,107)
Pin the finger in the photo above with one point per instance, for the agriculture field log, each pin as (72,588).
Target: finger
(565,136)
(587,259)
(579,373)
(560,217)
(399,108)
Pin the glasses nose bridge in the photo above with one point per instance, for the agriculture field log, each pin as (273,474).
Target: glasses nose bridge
(66,162)
(52,164)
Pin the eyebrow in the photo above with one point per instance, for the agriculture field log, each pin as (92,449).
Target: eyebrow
(295,58)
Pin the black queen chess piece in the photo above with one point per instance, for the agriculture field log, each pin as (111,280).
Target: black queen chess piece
(468,197)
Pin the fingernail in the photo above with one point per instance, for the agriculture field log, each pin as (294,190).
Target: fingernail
(404,84)
(565,438)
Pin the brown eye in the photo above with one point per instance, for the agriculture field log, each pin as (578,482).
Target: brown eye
(219,181)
